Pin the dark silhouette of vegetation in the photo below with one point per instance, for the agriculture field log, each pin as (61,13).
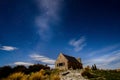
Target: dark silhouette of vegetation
(20,68)
(7,70)
(37,67)
(94,67)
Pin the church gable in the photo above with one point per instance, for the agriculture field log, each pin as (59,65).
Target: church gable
(61,62)
(65,62)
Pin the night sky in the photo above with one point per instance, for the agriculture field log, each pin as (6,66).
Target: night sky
(36,31)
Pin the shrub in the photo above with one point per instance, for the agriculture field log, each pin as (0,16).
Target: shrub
(37,67)
(47,72)
(20,68)
(42,71)
(55,77)
(55,71)
(87,74)
(5,71)
(94,67)
(87,68)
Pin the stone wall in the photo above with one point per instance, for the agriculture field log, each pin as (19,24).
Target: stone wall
(61,59)
(63,63)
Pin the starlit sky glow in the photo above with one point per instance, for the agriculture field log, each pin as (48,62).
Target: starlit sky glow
(36,31)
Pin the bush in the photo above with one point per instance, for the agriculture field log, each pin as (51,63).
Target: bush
(37,67)
(94,67)
(5,71)
(88,74)
(47,72)
(87,68)
(55,77)
(20,68)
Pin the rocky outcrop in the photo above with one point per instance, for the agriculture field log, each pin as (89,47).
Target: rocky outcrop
(72,75)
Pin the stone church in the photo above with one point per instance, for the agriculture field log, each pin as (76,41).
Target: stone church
(65,62)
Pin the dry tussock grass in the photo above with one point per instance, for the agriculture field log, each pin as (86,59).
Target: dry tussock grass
(40,75)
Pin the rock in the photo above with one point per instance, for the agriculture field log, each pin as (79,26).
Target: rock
(72,75)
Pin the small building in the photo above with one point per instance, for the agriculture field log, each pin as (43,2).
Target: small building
(65,62)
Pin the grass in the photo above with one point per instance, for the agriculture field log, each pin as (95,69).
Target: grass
(108,74)
(54,75)
(101,74)
(40,75)
(16,76)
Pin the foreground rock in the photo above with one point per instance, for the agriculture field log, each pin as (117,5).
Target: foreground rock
(72,75)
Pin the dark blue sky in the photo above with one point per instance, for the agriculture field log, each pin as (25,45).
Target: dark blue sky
(36,31)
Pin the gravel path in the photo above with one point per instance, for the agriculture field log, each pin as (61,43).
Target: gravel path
(72,75)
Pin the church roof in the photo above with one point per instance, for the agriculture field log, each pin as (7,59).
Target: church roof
(70,58)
